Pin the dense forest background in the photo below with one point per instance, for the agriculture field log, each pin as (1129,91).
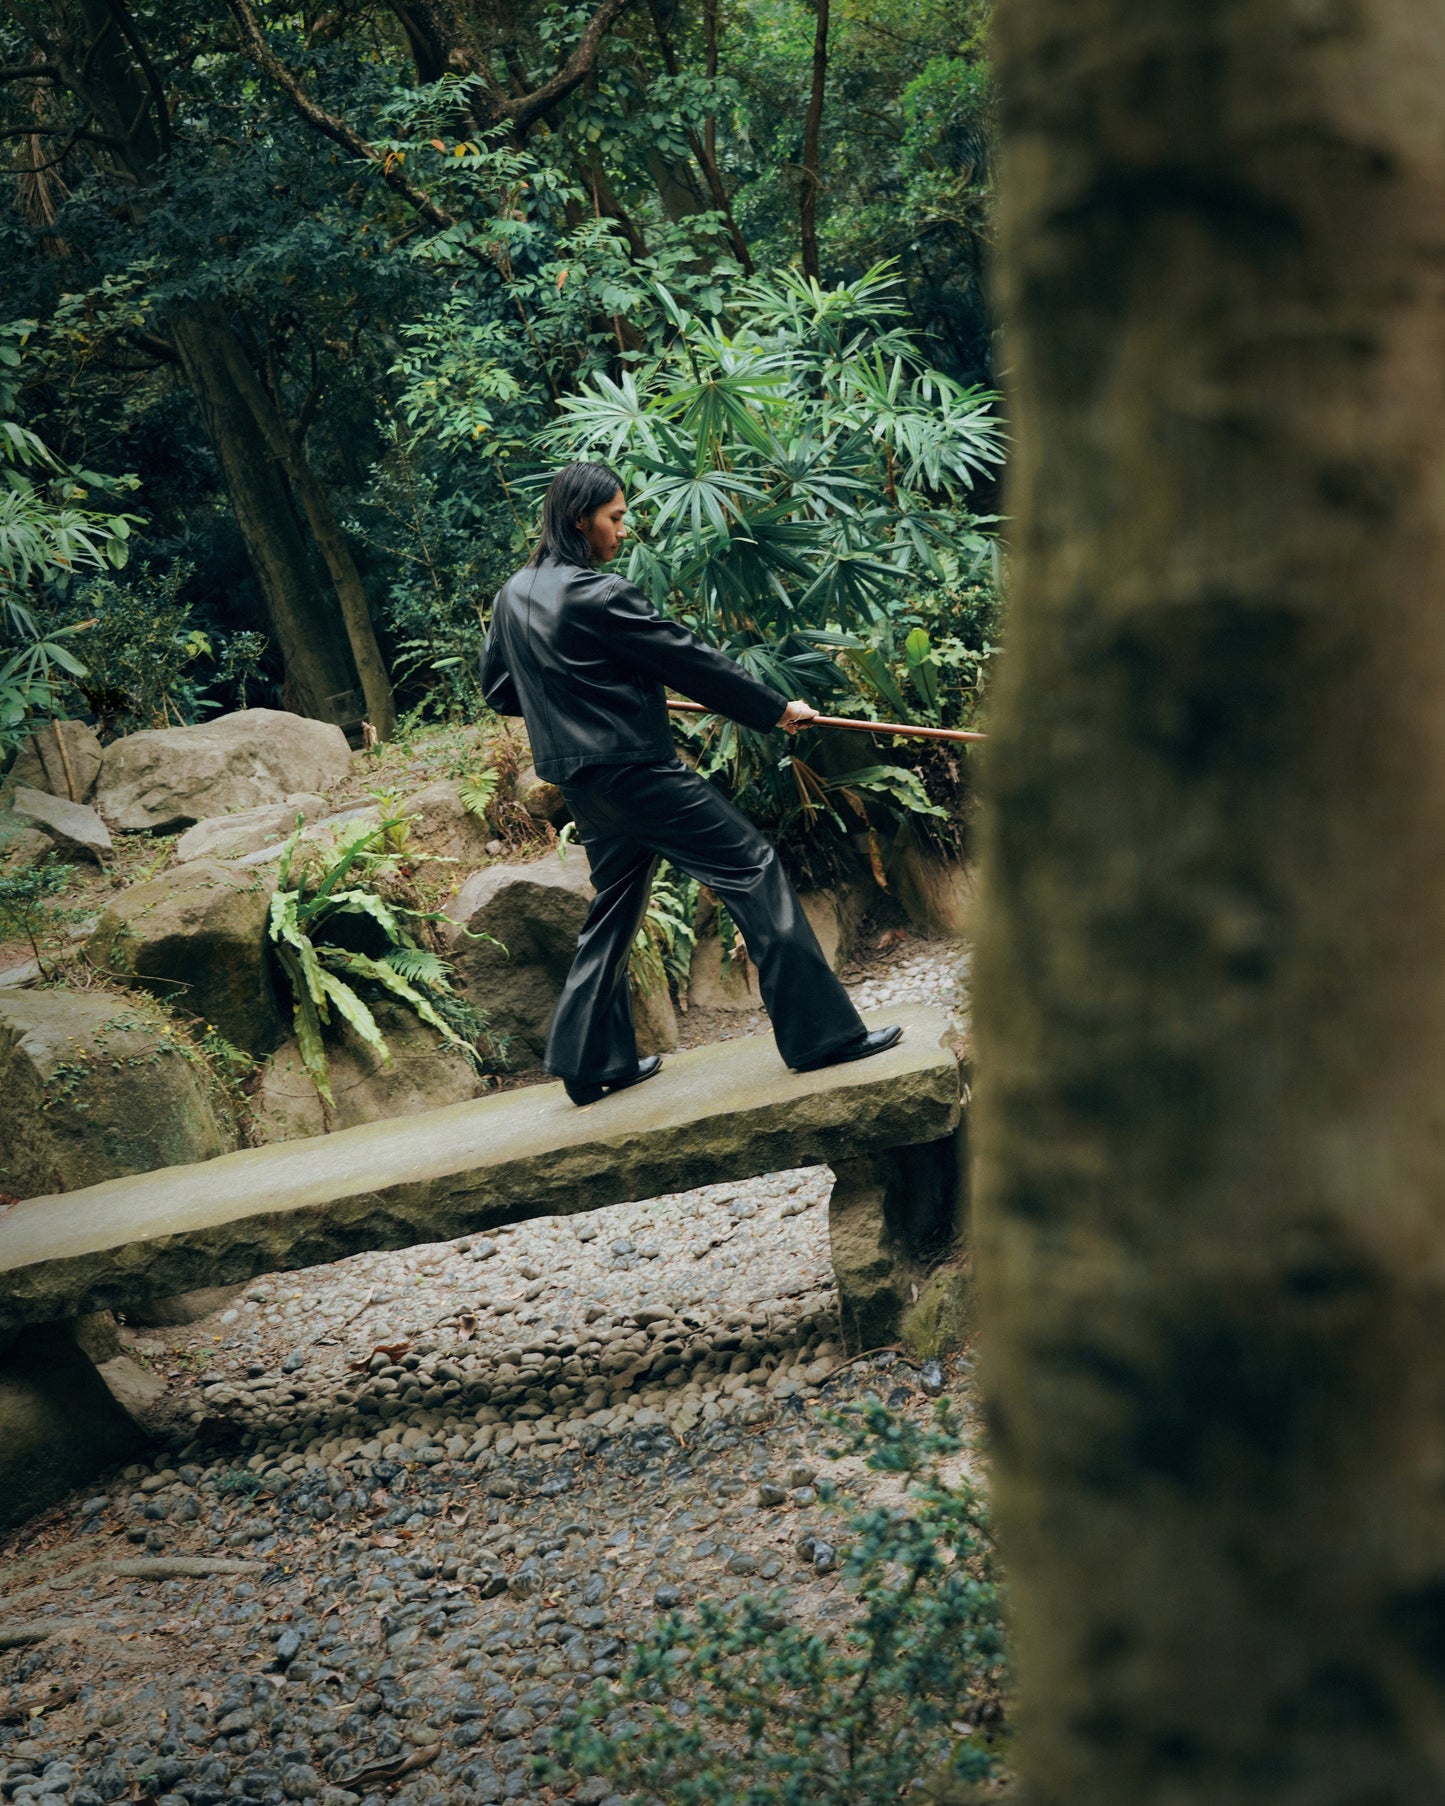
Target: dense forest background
(302,304)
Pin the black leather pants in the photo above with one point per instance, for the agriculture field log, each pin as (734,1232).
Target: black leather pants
(629,816)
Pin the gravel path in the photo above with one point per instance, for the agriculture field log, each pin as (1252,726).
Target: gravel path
(450,1485)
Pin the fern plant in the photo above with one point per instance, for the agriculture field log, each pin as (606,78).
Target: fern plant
(477,791)
(307,924)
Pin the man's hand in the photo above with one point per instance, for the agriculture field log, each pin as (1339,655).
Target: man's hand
(796,715)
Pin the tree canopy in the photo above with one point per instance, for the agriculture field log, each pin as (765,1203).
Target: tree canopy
(302,303)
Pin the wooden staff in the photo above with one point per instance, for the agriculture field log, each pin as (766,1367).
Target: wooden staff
(855,726)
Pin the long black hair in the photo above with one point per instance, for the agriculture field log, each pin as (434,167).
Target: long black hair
(576,489)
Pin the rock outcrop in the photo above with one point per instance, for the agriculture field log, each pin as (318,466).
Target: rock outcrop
(535,911)
(196,936)
(74,829)
(93,1087)
(164,779)
(424,1074)
(937,894)
(248,830)
(444,826)
(63,758)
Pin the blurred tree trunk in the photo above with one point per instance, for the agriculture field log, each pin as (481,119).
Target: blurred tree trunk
(1211,980)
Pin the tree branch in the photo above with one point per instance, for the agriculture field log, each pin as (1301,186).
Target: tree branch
(28,72)
(330,125)
(524,113)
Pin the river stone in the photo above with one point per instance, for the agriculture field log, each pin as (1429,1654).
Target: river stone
(91,1087)
(248,830)
(726,1111)
(536,911)
(166,778)
(425,1073)
(59,1423)
(197,937)
(41,763)
(75,828)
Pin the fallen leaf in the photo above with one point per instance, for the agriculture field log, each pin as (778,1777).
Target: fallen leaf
(467,1324)
(455,1514)
(393,1352)
(377,1774)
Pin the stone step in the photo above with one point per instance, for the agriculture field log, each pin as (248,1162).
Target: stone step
(727,1111)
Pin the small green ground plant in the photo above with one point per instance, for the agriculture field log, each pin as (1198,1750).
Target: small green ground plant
(343,931)
(745,1705)
(29,902)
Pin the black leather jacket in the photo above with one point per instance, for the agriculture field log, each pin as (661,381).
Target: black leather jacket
(583,656)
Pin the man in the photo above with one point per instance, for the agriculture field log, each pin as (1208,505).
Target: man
(583,656)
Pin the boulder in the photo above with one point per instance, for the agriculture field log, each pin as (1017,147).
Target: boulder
(942,1318)
(655,1021)
(62,758)
(248,830)
(712,985)
(319,843)
(835,915)
(934,893)
(542,800)
(93,1087)
(445,826)
(535,911)
(59,1422)
(75,828)
(424,1074)
(197,937)
(133,1387)
(166,778)
(21,842)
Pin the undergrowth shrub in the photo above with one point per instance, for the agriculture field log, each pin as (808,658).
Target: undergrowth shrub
(745,1704)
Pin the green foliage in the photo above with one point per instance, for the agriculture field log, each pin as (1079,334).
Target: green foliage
(478,790)
(28,901)
(747,1705)
(663,946)
(338,939)
(143,653)
(796,475)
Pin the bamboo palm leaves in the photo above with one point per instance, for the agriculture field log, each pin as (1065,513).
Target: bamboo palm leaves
(790,471)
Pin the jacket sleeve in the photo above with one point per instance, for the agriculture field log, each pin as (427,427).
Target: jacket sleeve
(639,637)
(497,685)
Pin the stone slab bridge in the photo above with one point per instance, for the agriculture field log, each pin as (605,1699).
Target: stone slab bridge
(890,1128)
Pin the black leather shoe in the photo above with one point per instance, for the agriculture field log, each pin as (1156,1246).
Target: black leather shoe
(875,1041)
(589,1094)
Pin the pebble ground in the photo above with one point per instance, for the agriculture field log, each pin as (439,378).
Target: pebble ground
(450,1486)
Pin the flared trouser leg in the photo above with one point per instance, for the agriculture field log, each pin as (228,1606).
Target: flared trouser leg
(629,816)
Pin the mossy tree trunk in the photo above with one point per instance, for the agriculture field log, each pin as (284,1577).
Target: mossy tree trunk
(1211,982)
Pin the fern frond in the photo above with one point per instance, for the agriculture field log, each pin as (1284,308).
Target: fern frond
(419,965)
(478,790)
